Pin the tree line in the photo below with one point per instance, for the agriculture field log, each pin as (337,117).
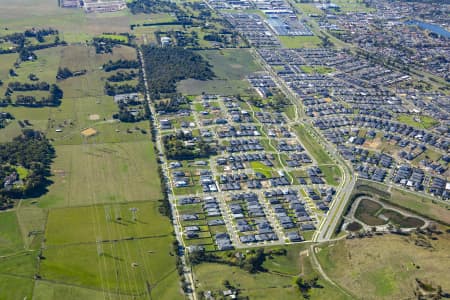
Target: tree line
(120,64)
(64,73)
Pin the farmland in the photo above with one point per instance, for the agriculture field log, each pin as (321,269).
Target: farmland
(102,173)
(104,188)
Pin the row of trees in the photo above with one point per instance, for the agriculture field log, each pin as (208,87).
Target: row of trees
(54,99)
(120,64)
(116,89)
(38,86)
(106,44)
(64,73)
(122,76)
(152,6)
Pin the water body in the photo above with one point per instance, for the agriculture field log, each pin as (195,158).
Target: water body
(431,27)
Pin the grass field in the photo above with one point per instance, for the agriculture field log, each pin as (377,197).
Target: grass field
(44,290)
(277,283)
(102,173)
(312,146)
(13,287)
(10,236)
(121,267)
(386,267)
(105,222)
(32,222)
(230,67)
(352,6)
(308,9)
(300,41)
(423,122)
(74,24)
(259,167)
(332,174)
(316,69)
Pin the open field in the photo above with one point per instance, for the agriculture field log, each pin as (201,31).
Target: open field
(316,69)
(277,283)
(423,122)
(10,237)
(44,290)
(121,267)
(102,173)
(76,26)
(386,267)
(352,6)
(230,67)
(83,97)
(13,287)
(300,41)
(32,220)
(105,222)
(332,174)
(259,167)
(308,8)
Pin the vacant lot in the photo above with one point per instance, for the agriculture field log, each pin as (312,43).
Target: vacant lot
(105,222)
(386,267)
(230,67)
(103,173)
(277,283)
(122,267)
(423,122)
(300,41)
(332,174)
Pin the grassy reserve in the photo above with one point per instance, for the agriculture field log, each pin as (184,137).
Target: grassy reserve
(422,122)
(386,267)
(300,41)
(278,279)
(312,146)
(409,201)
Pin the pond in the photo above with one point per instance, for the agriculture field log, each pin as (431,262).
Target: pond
(431,27)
